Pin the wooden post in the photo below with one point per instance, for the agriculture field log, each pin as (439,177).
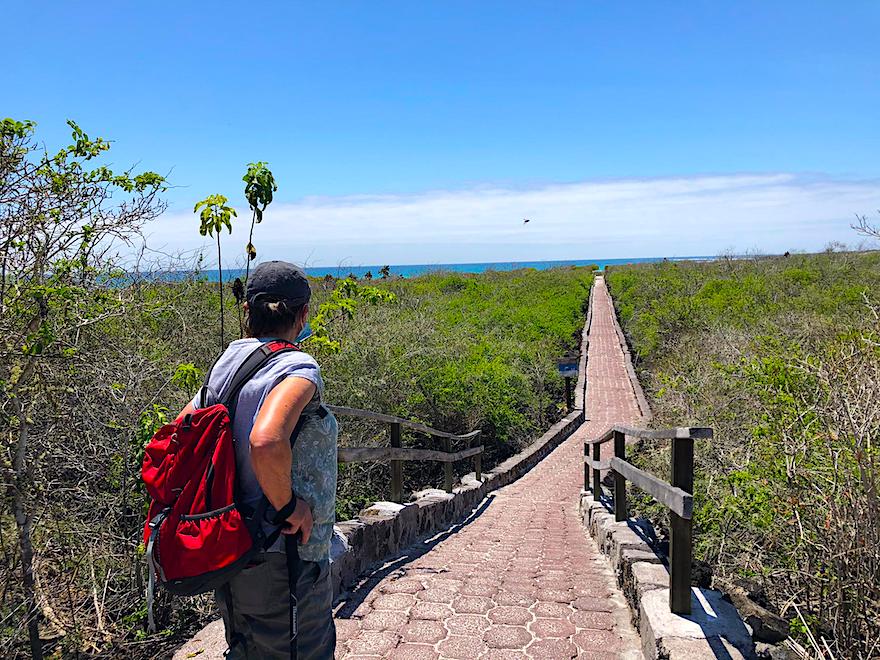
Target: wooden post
(681,530)
(396,467)
(619,480)
(478,461)
(597,476)
(447,467)
(568,394)
(587,468)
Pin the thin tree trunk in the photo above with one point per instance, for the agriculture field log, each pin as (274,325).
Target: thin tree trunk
(247,267)
(23,521)
(220,267)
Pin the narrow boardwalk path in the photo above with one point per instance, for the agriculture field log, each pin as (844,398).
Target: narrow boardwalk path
(521,580)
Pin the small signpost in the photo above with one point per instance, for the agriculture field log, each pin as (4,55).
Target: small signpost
(568,369)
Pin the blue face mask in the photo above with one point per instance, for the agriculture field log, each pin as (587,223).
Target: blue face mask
(304,334)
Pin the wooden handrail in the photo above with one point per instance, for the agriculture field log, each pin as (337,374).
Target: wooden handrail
(391,419)
(397,454)
(363,454)
(692,432)
(674,499)
(676,496)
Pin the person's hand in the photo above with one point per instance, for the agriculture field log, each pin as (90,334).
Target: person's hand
(299,521)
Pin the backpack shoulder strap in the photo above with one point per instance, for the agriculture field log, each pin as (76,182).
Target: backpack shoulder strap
(251,365)
(206,395)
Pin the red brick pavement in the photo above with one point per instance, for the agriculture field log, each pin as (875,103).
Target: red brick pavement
(522,579)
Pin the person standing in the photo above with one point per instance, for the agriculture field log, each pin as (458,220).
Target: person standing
(283,399)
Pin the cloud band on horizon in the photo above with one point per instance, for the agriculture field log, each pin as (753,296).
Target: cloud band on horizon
(670,216)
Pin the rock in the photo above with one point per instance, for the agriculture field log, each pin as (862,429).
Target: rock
(701,574)
(385,509)
(766,626)
(428,492)
(771,652)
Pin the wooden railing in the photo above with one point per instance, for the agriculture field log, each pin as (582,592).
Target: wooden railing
(677,496)
(397,454)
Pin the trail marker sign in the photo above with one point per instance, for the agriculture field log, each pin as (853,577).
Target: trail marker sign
(568,369)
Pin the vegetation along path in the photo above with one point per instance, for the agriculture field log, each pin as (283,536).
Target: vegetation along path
(522,578)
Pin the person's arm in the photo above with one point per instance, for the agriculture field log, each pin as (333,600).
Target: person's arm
(270,448)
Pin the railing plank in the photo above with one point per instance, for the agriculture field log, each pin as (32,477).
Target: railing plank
(602,439)
(675,499)
(363,454)
(666,434)
(653,434)
(597,465)
(391,419)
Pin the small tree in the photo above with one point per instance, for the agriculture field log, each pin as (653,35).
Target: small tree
(61,220)
(385,272)
(216,214)
(259,189)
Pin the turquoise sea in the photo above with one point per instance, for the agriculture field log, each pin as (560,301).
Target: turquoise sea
(411,270)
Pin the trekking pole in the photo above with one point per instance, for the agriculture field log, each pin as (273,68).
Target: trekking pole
(291,549)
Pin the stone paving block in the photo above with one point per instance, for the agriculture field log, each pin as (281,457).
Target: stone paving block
(408,651)
(507,637)
(428,632)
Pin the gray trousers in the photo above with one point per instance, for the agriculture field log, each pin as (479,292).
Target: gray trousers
(258,628)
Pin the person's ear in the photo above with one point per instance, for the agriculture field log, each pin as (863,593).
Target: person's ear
(305,313)
(245,306)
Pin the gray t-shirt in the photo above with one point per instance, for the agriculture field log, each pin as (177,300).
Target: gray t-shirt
(314,453)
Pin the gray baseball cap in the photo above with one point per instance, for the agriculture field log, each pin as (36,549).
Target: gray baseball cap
(278,280)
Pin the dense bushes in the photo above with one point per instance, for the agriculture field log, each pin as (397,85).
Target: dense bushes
(97,354)
(780,356)
(457,352)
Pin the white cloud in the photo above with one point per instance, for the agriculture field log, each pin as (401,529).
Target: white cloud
(681,216)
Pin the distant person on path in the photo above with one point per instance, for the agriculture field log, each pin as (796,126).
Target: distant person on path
(300,484)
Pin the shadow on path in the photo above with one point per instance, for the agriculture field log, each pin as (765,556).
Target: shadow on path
(349,602)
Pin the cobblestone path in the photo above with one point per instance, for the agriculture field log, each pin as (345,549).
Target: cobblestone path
(522,578)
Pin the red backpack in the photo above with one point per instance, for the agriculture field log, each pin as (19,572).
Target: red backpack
(197,535)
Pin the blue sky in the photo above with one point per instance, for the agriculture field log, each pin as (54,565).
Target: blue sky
(378,118)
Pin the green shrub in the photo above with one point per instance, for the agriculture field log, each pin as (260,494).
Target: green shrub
(780,356)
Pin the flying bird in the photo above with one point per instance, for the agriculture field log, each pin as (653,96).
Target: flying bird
(526,220)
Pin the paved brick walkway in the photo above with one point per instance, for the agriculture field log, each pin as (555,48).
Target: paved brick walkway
(522,579)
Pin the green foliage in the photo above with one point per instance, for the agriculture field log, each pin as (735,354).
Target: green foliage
(187,377)
(215,214)
(71,390)
(259,188)
(456,351)
(342,304)
(780,356)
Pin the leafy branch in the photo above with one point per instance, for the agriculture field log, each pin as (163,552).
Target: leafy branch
(259,189)
(214,216)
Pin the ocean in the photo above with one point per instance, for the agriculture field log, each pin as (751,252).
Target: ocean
(413,270)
